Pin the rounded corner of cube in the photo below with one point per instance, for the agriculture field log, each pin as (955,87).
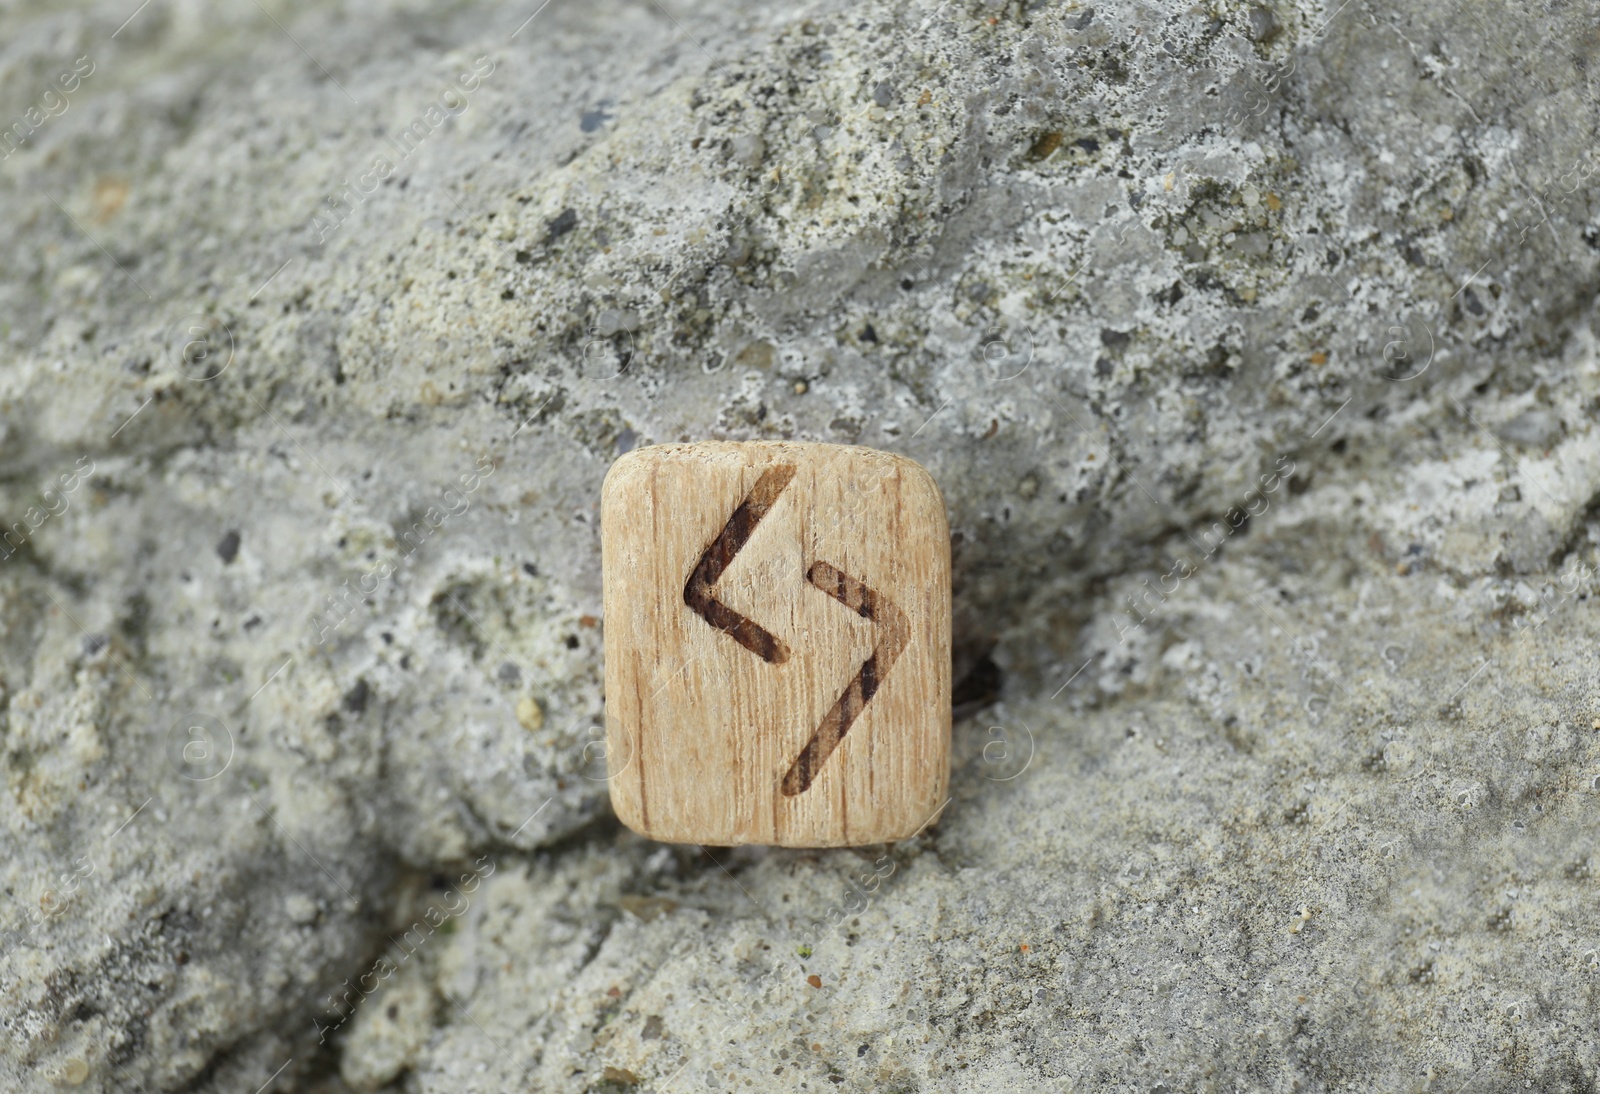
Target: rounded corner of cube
(923,818)
(628,812)
(627,481)
(623,469)
(919,480)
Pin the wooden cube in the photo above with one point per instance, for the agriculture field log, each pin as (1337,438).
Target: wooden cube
(777,637)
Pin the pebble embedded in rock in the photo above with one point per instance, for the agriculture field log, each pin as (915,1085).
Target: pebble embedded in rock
(611,321)
(748,150)
(1533,428)
(560,225)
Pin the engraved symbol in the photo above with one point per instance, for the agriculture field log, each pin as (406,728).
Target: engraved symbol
(719,556)
(893,634)
(892,627)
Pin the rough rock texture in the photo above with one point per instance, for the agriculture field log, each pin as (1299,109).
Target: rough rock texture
(1253,346)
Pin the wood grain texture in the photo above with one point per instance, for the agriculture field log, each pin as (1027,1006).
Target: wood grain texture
(777,634)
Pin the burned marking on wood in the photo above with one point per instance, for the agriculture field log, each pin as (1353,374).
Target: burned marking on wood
(697,592)
(893,634)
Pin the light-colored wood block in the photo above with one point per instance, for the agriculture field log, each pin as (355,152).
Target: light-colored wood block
(777,636)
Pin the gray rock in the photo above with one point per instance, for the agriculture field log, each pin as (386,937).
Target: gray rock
(1258,369)
(748,150)
(1263,24)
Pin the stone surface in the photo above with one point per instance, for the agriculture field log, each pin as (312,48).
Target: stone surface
(1253,347)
